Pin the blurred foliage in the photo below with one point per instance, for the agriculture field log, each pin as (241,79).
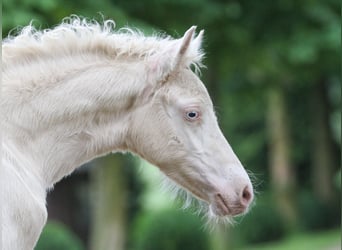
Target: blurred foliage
(263,223)
(135,187)
(316,215)
(56,236)
(338,179)
(303,241)
(170,230)
(46,13)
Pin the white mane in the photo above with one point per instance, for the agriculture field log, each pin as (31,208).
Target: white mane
(87,37)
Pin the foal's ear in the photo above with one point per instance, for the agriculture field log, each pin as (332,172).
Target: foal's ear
(184,45)
(178,53)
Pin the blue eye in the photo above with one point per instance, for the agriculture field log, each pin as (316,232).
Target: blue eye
(192,115)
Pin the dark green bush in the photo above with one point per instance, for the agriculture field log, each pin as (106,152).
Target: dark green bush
(263,223)
(56,236)
(316,215)
(337,180)
(170,230)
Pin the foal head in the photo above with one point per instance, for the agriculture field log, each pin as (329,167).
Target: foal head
(176,129)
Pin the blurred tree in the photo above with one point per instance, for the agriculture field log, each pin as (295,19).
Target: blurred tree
(115,199)
(110,204)
(324,160)
(281,168)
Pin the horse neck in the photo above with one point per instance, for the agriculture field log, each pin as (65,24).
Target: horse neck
(71,111)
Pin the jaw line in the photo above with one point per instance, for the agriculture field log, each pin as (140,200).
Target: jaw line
(192,187)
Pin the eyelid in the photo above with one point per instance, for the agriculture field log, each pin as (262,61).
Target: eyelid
(192,108)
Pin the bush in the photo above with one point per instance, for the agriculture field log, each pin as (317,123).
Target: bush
(316,215)
(170,230)
(338,180)
(263,223)
(56,236)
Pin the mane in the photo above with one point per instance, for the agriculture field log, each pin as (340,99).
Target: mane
(77,35)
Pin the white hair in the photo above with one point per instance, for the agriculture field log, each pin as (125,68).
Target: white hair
(81,35)
(195,205)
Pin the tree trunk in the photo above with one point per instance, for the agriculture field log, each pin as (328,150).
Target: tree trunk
(221,238)
(324,160)
(281,171)
(108,231)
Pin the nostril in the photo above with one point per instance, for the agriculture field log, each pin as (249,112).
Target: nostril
(246,196)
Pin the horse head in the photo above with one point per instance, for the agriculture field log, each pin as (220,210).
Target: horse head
(176,129)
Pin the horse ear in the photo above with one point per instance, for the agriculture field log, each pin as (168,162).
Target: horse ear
(181,52)
(185,42)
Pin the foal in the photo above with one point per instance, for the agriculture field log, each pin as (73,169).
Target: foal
(81,90)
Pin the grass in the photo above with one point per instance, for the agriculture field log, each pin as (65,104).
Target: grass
(327,240)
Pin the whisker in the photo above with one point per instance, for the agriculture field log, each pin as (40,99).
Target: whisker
(196,206)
